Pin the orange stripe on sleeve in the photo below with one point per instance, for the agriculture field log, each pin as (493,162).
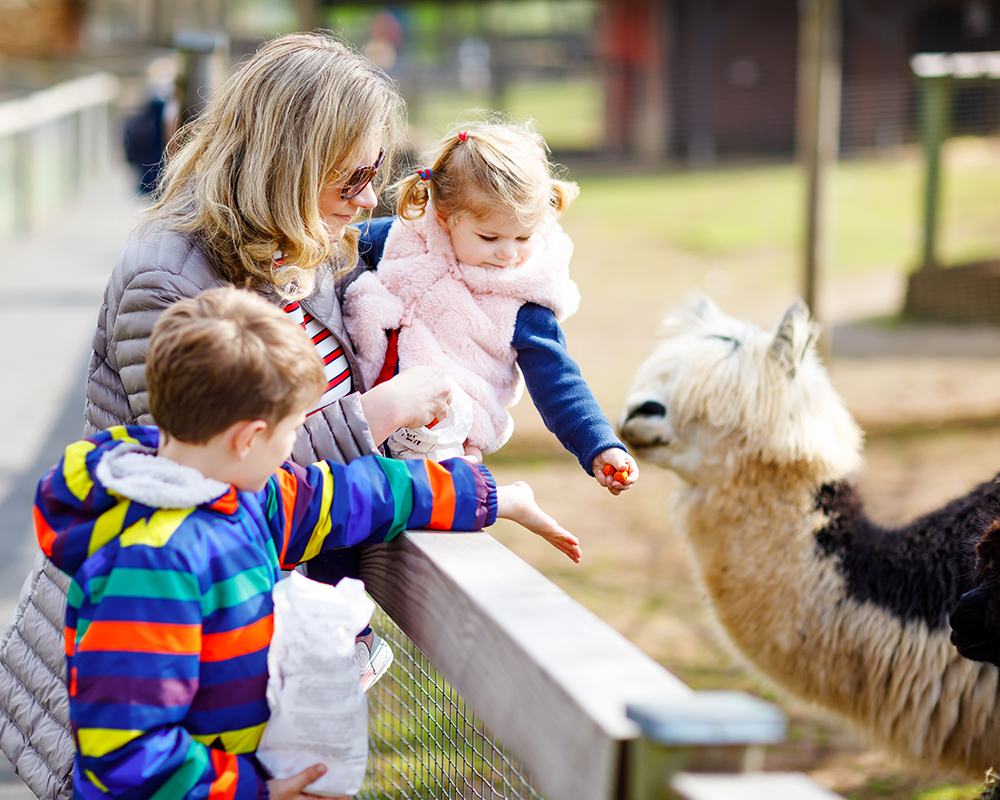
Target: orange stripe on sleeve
(239,642)
(72,682)
(141,637)
(69,639)
(288,486)
(227,775)
(443,487)
(46,536)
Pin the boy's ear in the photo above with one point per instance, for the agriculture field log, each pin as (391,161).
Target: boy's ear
(243,434)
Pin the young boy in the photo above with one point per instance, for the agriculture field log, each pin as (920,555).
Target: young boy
(174,537)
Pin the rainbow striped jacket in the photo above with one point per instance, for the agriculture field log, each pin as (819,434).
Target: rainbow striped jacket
(169,614)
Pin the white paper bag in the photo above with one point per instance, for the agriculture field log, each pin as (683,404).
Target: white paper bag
(445,440)
(318,711)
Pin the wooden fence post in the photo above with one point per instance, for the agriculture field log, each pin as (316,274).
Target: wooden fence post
(819,76)
(935,119)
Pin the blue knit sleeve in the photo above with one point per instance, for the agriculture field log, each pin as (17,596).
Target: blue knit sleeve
(557,388)
(371,245)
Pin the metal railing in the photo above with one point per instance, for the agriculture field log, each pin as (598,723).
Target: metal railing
(424,739)
(52,141)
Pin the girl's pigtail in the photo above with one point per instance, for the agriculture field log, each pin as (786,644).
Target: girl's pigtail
(412,194)
(563,193)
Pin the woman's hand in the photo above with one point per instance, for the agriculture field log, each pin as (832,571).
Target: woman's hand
(618,462)
(413,398)
(516,502)
(291,788)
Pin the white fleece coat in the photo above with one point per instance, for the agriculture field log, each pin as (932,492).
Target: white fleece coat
(455,316)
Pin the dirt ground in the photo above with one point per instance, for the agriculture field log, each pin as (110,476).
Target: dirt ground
(636,576)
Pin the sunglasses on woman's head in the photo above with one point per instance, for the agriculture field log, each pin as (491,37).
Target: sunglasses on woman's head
(360,178)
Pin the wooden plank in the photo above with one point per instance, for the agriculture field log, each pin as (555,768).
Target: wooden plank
(548,677)
(761,786)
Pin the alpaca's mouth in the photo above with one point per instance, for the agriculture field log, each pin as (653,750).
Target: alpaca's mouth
(650,408)
(642,427)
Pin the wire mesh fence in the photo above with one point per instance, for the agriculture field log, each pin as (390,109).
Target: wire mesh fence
(424,740)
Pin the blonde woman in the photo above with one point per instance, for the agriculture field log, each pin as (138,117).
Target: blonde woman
(259,193)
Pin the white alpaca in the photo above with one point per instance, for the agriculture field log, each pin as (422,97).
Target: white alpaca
(822,601)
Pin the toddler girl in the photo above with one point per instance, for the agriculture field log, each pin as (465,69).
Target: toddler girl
(474,279)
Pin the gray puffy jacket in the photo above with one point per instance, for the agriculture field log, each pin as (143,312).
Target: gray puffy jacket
(157,268)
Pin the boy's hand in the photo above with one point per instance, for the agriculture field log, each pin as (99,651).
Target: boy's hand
(516,502)
(473,454)
(291,788)
(615,469)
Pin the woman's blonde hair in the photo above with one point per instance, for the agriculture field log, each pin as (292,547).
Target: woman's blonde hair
(299,115)
(493,167)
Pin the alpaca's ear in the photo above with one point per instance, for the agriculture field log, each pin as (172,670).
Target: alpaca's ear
(697,310)
(702,307)
(793,338)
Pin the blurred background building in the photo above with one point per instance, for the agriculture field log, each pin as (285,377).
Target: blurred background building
(679,80)
(611,84)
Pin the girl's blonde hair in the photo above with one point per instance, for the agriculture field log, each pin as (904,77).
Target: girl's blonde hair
(301,114)
(495,167)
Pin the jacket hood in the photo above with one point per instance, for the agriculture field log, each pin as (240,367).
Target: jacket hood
(107,483)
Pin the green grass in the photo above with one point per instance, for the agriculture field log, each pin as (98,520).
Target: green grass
(754,216)
(730,213)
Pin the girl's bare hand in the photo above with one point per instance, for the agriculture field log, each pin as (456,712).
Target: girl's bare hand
(615,469)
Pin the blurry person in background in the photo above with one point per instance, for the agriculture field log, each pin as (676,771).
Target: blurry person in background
(146,133)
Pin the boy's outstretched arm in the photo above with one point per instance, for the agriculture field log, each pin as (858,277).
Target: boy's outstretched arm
(374,499)
(516,502)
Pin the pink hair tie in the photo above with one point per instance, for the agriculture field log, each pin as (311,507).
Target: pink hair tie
(463,136)
(425,174)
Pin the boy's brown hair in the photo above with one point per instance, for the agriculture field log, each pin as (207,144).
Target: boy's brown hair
(225,356)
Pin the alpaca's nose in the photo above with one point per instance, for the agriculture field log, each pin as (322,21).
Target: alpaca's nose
(651,408)
(643,425)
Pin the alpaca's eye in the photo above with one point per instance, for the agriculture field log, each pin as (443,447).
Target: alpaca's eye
(734,342)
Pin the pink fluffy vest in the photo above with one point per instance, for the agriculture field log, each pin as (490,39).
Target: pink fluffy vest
(455,316)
